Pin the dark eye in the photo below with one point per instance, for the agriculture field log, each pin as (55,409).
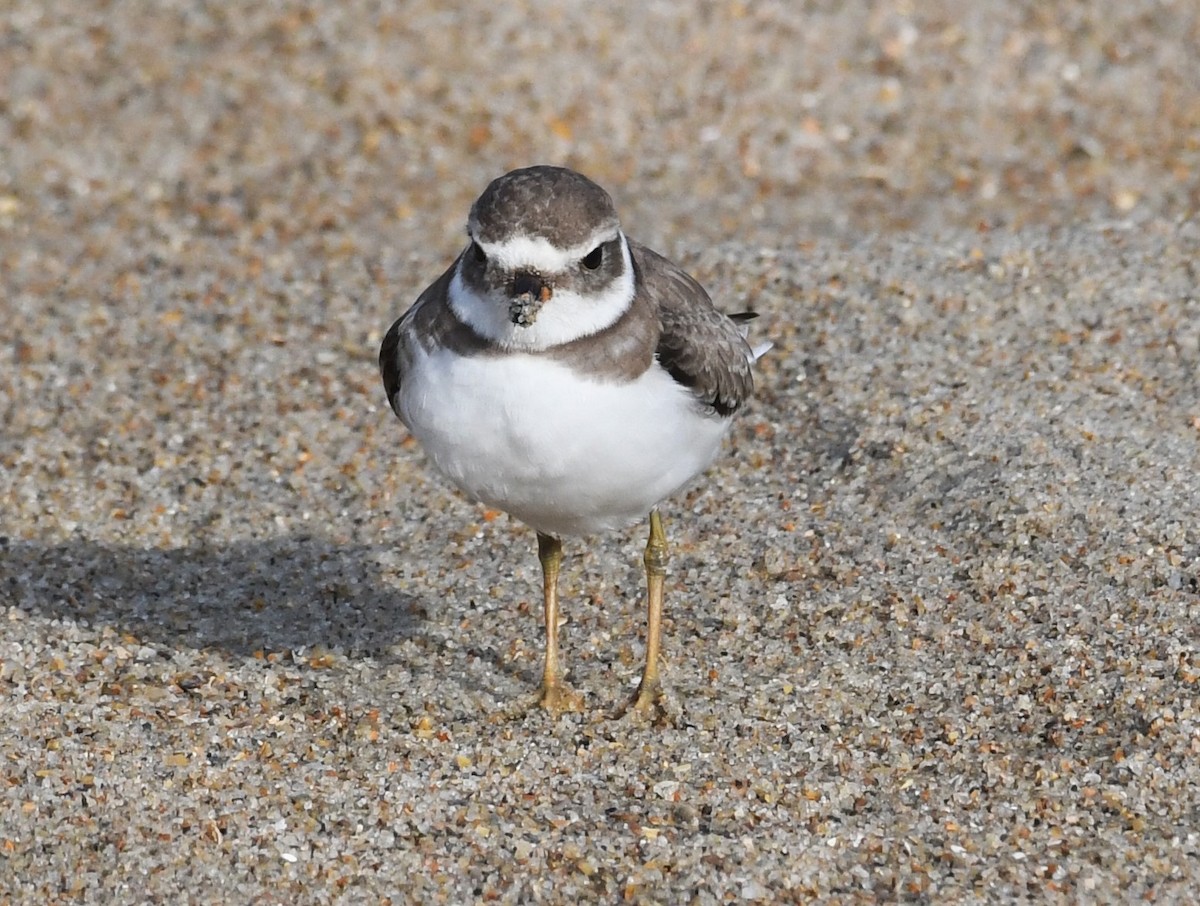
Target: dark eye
(478,253)
(593,258)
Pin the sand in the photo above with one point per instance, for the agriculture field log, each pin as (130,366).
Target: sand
(932,619)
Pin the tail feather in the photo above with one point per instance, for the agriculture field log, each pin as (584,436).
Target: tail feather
(743,319)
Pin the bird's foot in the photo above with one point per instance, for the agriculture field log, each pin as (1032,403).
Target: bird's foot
(554,698)
(651,704)
(558,697)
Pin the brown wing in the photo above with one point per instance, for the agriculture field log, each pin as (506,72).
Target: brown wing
(700,347)
(394,354)
(390,367)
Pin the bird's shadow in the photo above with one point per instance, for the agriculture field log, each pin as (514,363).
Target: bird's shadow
(287,593)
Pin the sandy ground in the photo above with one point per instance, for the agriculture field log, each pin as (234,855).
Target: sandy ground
(933,619)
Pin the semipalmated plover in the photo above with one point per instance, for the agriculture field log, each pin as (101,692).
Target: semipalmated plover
(568,376)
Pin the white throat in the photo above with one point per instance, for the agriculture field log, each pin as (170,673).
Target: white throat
(566,316)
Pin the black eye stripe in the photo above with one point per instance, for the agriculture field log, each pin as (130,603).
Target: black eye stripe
(479,254)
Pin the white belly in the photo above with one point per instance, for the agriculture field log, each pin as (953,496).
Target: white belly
(565,454)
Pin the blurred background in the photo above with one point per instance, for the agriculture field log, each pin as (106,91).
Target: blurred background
(770,123)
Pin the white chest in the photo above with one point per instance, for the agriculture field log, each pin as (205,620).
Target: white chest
(560,451)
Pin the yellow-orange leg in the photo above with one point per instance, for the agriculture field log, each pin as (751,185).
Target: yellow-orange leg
(649,691)
(555,695)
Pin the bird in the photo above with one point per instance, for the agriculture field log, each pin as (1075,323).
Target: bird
(571,377)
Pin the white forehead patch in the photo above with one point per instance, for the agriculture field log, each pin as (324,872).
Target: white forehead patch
(536,252)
